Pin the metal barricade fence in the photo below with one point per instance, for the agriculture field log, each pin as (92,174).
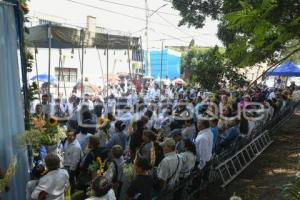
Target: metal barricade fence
(190,188)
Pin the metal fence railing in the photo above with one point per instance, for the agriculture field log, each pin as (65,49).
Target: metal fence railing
(191,187)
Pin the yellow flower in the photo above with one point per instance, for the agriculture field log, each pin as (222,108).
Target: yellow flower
(100,121)
(101,164)
(53,121)
(103,122)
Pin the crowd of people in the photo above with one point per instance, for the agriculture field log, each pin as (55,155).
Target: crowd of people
(161,134)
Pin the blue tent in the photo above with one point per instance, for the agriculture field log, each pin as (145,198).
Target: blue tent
(286,69)
(44,78)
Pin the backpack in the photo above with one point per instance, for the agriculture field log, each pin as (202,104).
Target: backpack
(116,184)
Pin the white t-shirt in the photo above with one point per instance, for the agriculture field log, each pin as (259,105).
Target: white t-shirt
(54,184)
(110,195)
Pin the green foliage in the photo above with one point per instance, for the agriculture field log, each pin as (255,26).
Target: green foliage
(192,44)
(32,89)
(94,167)
(206,68)
(129,171)
(42,132)
(194,12)
(253,31)
(259,34)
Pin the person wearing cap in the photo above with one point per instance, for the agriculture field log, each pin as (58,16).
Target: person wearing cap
(204,143)
(169,168)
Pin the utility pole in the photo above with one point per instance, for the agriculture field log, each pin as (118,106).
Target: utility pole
(161,65)
(148,62)
(148,66)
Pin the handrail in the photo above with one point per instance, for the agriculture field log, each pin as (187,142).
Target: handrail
(183,186)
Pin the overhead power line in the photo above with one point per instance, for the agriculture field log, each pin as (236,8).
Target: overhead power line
(170,36)
(174,38)
(136,7)
(167,21)
(114,12)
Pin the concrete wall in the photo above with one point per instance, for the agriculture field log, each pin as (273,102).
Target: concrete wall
(118,63)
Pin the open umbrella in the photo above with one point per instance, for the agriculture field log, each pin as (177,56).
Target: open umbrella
(88,88)
(112,79)
(147,77)
(178,81)
(44,78)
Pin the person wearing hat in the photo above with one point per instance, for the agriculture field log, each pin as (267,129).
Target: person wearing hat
(169,168)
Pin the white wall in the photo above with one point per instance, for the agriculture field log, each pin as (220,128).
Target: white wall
(118,62)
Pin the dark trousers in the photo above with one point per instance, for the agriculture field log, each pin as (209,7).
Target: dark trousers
(72,178)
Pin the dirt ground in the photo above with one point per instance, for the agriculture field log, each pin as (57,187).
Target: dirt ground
(264,178)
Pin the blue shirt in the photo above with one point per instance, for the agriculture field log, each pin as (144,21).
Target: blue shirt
(215,132)
(118,138)
(231,134)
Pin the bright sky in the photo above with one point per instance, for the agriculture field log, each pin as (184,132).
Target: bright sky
(162,24)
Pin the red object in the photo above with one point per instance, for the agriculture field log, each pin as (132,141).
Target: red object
(138,85)
(42,195)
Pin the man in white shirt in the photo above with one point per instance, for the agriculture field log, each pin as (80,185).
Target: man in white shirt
(204,143)
(125,116)
(47,106)
(88,102)
(52,186)
(111,105)
(72,156)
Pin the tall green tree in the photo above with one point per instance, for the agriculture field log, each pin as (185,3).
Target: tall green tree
(210,67)
(253,31)
(206,67)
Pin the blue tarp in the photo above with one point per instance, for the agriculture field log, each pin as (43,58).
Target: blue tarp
(286,69)
(168,63)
